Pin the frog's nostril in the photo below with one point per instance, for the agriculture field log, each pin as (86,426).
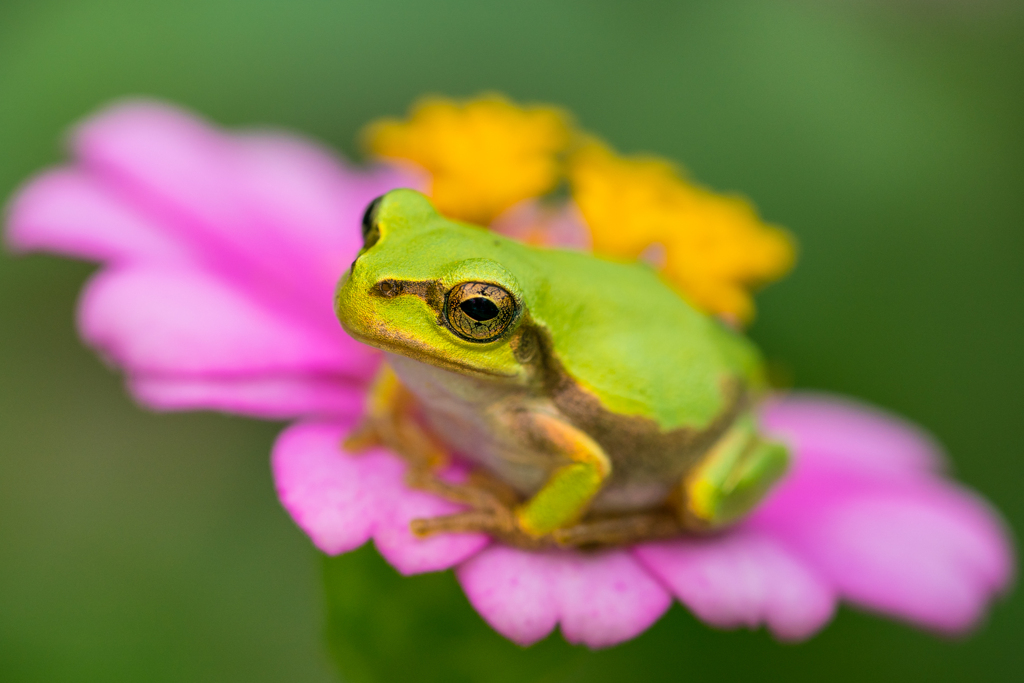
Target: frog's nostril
(388,288)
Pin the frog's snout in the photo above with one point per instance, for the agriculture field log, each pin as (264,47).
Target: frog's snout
(347,308)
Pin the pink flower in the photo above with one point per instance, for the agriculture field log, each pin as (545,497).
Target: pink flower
(220,255)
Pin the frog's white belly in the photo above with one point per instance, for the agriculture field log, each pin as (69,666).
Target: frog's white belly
(465,413)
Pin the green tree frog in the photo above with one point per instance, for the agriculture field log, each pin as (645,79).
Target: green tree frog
(596,404)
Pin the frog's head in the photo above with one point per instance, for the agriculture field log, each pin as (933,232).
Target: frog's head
(435,290)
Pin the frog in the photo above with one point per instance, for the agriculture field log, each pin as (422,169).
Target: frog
(591,402)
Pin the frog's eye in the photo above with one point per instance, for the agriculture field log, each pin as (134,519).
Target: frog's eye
(479,311)
(371,232)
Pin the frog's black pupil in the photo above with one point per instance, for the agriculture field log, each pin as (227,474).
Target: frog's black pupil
(368,215)
(480,309)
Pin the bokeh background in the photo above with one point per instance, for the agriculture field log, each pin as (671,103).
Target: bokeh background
(887,135)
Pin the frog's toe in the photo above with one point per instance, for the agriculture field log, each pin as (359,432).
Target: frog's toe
(500,524)
(471,494)
(362,438)
(471,521)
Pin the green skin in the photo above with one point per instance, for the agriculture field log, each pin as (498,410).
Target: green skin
(595,387)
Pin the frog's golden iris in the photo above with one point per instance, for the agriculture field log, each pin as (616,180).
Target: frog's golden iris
(479,311)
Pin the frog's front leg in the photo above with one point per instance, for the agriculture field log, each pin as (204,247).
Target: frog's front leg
(582,470)
(390,421)
(731,478)
(571,486)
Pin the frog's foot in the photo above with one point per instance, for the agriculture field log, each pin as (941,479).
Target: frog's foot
(499,525)
(480,492)
(491,504)
(390,422)
(733,477)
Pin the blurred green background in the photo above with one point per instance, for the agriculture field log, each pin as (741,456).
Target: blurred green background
(887,135)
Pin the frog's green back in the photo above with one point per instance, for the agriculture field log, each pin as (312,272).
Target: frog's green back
(618,330)
(636,344)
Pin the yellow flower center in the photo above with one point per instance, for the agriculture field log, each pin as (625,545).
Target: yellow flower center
(483,156)
(487,154)
(716,249)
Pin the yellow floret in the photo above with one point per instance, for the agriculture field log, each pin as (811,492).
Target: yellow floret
(716,249)
(483,155)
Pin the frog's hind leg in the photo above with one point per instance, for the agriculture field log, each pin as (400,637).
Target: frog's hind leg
(731,479)
(490,504)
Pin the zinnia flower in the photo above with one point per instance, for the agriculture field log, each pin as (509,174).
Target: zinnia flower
(220,253)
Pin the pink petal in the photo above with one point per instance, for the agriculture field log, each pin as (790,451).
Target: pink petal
(70,213)
(342,500)
(411,555)
(840,432)
(531,222)
(301,195)
(159,147)
(270,205)
(872,517)
(332,496)
(931,553)
(167,321)
(271,398)
(608,598)
(175,167)
(600,599)
(743,578)
(302,209)
(513,591)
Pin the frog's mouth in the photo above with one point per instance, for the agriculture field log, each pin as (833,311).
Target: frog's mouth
(390,342)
